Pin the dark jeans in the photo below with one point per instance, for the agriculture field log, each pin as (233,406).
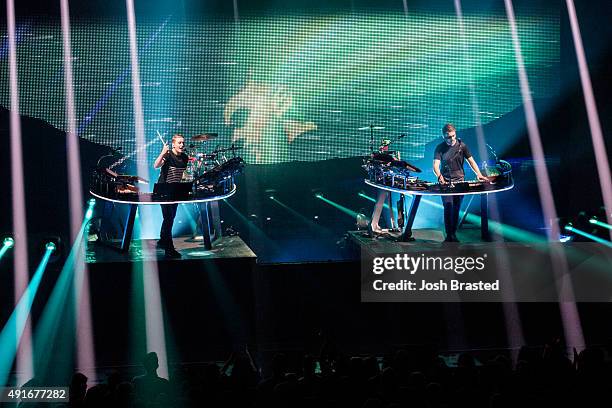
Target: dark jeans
(169,212)
(452,204)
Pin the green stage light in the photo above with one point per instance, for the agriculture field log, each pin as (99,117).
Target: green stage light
(8,242)
(342,208)
(50,246)
(570,227)
(13,329)
(601,224)
(367,197)
(271,197)
(90,207)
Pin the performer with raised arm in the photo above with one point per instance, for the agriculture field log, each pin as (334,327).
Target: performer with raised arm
(173,163)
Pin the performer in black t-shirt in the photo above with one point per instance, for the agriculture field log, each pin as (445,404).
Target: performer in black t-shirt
(173,163)
(448,162)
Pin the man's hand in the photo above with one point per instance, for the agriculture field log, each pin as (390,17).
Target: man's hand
(482,178)
(165,149)
(441,179)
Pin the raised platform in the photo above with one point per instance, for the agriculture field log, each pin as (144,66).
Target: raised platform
(191,248)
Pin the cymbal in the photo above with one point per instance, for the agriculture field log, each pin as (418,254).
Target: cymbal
(371,127)
(204,137)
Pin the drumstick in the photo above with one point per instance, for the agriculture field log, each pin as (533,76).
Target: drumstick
(160,137)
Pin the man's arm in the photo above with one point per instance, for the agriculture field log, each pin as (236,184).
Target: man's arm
(475,168)
(161,158)
(436,170)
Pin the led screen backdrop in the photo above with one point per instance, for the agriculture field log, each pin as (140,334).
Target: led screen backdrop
(286,87)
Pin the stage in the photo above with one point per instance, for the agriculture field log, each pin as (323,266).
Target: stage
(265,139)
(191,248)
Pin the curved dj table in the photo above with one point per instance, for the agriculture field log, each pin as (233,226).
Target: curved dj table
(208,207)
(462,188)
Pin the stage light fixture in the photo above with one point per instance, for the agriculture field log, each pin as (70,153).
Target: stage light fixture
(601,224)
(53,245)
(8,242)
(90,207)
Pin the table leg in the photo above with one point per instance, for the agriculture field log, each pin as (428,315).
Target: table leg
(215,220)
(484,217)
(414,206)
(204,216)
(129,228)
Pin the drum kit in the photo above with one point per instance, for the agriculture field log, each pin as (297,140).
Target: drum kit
(201,163)
(384,166)
(211,172)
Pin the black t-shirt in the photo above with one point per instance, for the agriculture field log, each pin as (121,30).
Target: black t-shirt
(173,168)
(452,159)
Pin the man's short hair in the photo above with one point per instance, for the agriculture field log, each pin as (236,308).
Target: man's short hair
(176,136)
(449,127)
(150,360)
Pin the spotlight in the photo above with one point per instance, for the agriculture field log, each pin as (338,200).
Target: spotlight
(8,242)
(268,218)
(601,224)
(271,197)
(52,244)
(319,195)
(316,217)
(90,207)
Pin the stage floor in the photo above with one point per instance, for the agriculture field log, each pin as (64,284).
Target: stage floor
(191,249)
(421,236)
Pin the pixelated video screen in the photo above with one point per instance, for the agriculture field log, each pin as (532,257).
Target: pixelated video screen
(286,86)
